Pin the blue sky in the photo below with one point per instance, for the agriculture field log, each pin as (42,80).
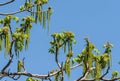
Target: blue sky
(99,20)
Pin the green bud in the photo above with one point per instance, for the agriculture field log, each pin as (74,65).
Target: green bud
(22,8)
(16,19)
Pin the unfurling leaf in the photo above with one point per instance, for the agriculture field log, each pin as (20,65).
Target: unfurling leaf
(52,50)
(96,51)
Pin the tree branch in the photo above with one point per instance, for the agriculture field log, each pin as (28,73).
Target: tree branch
(62,68)
(25,74)
(83,78)
(10,30)
(101,78)
(12,13)
(105,73)
(2,4)
(13,74)
(56,57)
(114,79)
(16,12)
(76,66)
(10,60)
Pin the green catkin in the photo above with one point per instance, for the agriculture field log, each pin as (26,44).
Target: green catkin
(7,43)
(28,38)
(44,19)
(40,17)
(1,43)
(49,13)
(67,67)
(33,11)
(64,47)
(19,68)
(98,71)
(90,55)
(36,15)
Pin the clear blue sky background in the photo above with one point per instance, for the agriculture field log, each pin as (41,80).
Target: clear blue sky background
(99,20)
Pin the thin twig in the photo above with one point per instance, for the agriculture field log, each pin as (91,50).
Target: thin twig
(107,71)
(12,13)
(83,78)
(62,78)
(10,30)
(2,4)
(56,57)
(16,12)
(76,66)
(114,79)
(14,77)
(11,58)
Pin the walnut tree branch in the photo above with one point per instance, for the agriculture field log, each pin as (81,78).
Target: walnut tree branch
(101,78)
(76,66)
(107,71)
(56,57)
(113,79)
(2,4)
(83,78)
(16,12)
(12,13)
(13,74)
(11,58)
